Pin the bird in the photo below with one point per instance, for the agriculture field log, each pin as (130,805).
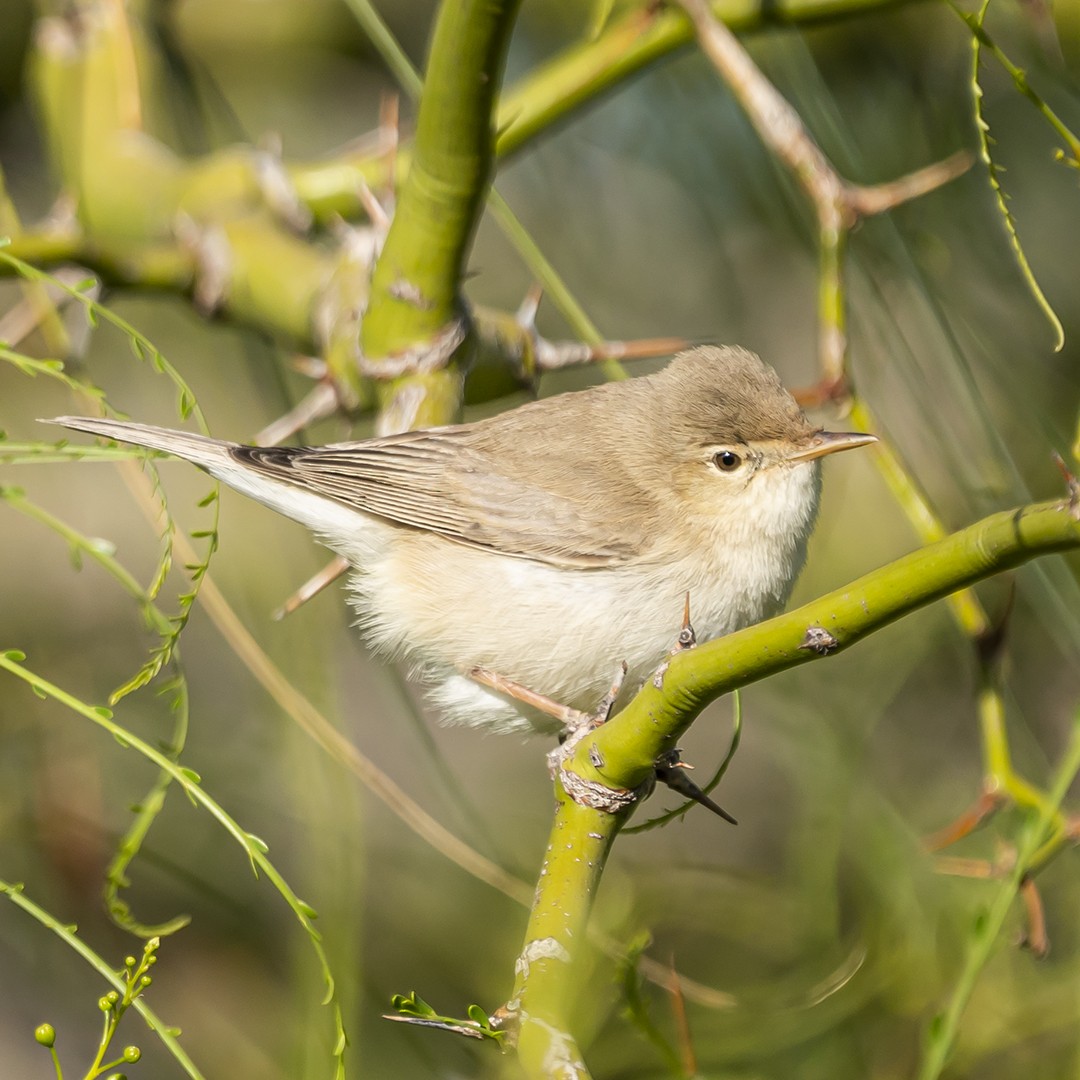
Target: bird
(555,541)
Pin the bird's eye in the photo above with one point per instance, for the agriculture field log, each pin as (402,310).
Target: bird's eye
(727,460)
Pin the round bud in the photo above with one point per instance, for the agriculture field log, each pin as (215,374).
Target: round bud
(129,961)
(45,1034)
(104,1004)
(131,1054)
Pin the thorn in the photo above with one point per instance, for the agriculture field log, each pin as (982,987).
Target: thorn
(607,702)
(828,391)
(312,587)
(990,644)
(380,219)
(525,316)
(321,401)
(988,803)
(390,130)
(1035,939)
(670,771)
(687,638)
(1071,484)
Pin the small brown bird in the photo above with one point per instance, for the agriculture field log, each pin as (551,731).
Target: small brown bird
(551,542)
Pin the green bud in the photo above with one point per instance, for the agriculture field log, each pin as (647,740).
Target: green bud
(131,1054)
(45,1034)
(116,1076)
(129,961)
(104,1004)
(146,980)
(113,997)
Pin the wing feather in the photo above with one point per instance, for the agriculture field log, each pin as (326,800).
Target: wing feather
(437,482)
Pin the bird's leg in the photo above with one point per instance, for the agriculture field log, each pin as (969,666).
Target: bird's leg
(573,720)
(671,770)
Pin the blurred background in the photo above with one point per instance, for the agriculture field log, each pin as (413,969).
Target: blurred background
(822,927)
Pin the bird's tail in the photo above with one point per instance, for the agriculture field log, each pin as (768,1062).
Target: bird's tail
(338,525)
(204,452)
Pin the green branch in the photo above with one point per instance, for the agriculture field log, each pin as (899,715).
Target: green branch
(414,290)
(1040,827)
(575,78)
(619,757)
(659,714)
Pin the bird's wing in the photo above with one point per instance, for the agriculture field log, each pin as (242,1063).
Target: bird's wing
(438,482)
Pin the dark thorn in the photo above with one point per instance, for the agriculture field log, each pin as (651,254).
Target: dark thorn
(991,644)
(670,770)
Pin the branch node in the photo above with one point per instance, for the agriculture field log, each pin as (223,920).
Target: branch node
(429,356)
(819,640)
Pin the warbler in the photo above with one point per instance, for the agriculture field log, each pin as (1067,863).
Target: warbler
(551,542)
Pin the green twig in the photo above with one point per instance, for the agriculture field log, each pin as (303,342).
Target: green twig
(187,406)
(414,289)
(978,41)
(986,930)
(618,757)
(68,935)
(176,688)
(190,782)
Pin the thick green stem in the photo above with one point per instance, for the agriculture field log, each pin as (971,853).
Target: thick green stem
(543,996)
(415,322)
(664,709)
(575,78)
(414,290)
(619,756)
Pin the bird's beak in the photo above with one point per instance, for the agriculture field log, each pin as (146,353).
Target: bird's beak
(829,442)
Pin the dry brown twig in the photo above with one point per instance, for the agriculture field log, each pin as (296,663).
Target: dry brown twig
(838,204)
